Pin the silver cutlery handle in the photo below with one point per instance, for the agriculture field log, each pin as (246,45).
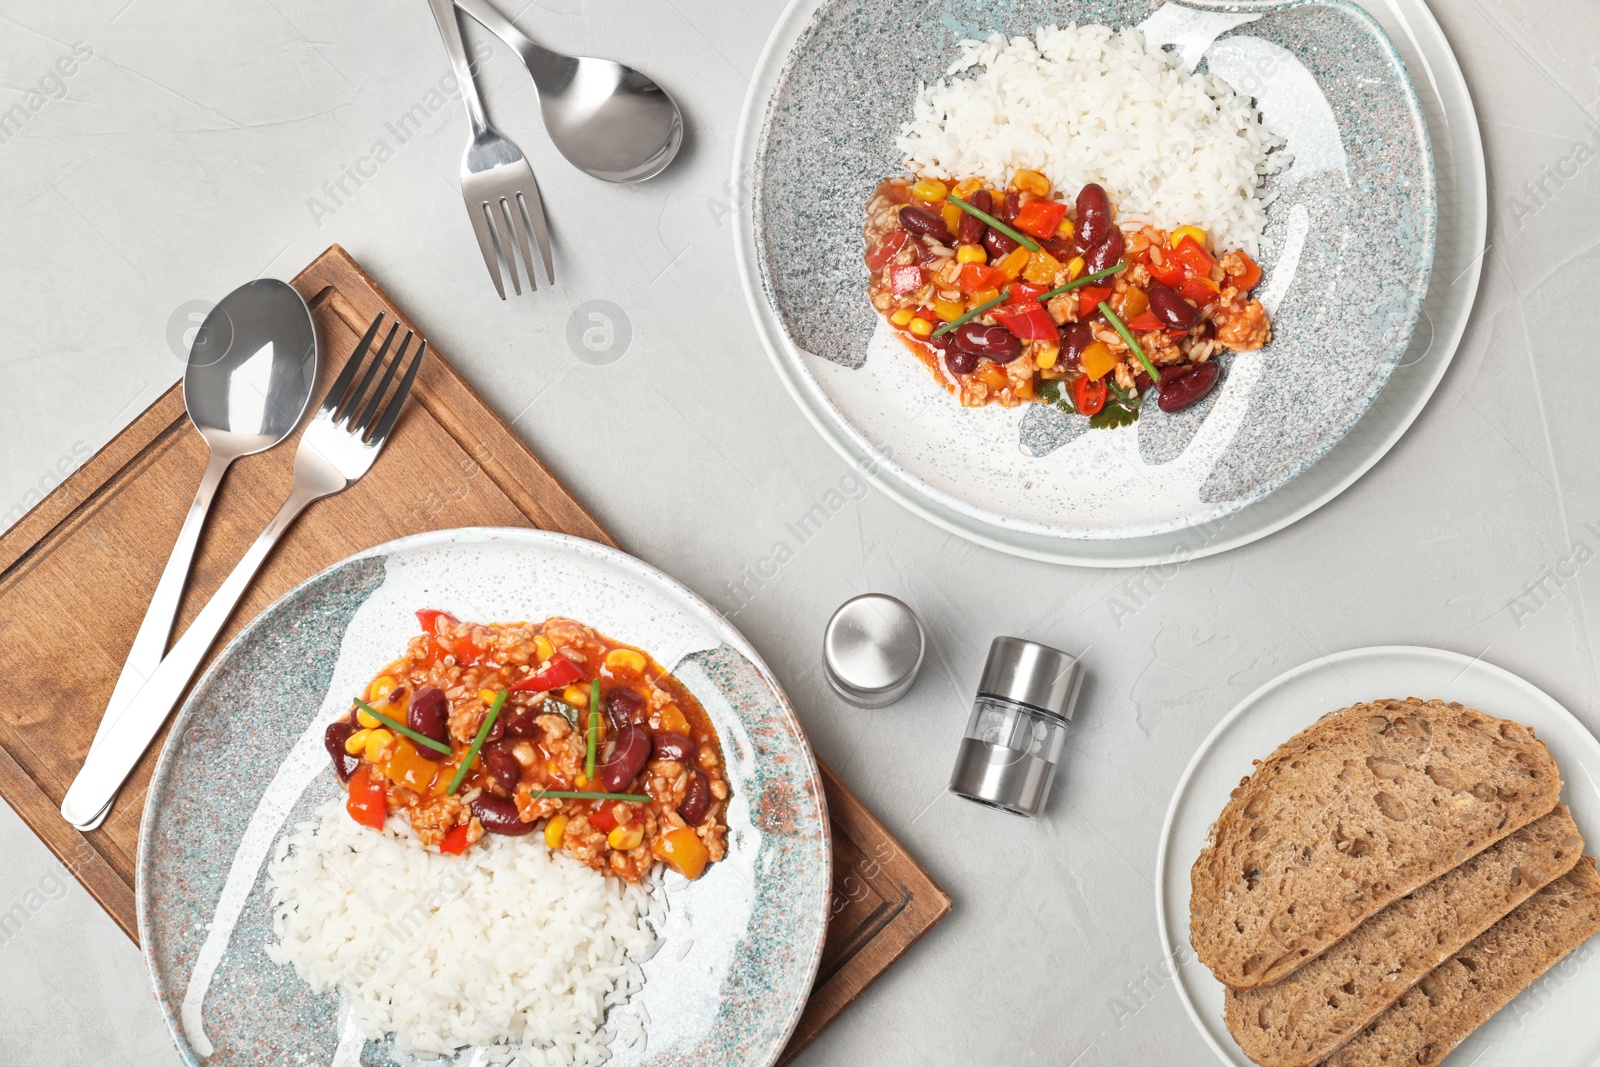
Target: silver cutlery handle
(550,70)
(444,13)
(111,761)
(151,640)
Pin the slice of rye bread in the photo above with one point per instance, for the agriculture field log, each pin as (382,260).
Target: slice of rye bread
(1350,815)
(1300,1020)
(1463,992)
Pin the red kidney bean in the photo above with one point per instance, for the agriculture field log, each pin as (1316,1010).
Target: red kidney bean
(1063,248)
(1141,381)
(924,223)
(1094,215)
(1012,205)
(624,707)
(668,745)
(499,816)
(696,800)
(997,244)
(970,232)
(502,766)
(520,724)
(1105,254)
(996,342)
(959,362)
(629,752)
(429,716)
(1186,386)
(344,764)
(1172,309)
(1075,337)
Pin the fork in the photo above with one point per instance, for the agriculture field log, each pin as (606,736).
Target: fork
(497,180)
(339,446)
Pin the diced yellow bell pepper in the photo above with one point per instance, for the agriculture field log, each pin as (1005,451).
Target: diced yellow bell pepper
(1074,268)
(949,309)
(991,375)
(624,838)
(1042,268)
(930,189)
(683,851)
(982,297)
(921,327)
(1181,232)
(1031,181)
(672,718)
(1045,353)
(903,317)
(1097,360)
(971,254)
(1014,262)
(406,767)
(555,830)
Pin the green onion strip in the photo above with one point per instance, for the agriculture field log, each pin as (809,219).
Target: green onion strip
(1127,339)
(1085,280)
(1016,235)
(477,742)
(594,728)
(569,794)
(1005,294)
(421,739)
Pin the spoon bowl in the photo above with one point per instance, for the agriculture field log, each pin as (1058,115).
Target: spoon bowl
(607,119)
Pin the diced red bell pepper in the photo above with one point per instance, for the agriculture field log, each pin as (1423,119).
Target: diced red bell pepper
(1197,262)
(1248,278)
(975,278)
(887,249)
(1089,298)
(605,817)
(1144,322)
(906,278)
(1029,323)
(455,842)
(557,671)
(368,803)
(927,313)
(429,618)
(1088,396)
(1198,291)
(1170,270)
(434,623)
(1022,294)
(1040,218)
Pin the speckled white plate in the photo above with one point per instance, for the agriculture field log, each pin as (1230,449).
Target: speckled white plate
(1554,1023)
(1017,480)
(244,760)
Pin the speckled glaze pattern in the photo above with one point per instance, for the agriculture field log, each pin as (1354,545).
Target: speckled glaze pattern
(1352,290)
(753,926)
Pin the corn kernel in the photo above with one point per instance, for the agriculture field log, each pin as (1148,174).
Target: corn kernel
(625,661)
(576,695)
(952,217)
(367,720)
(487,695)
(381,687)
(1097,360)
(377,741)
(581,781)
(966,188)
(1181,232)
(903,317)
(555,830)
(981,297)
(921,327)
(1066,229)
(624,838)
(1031,181)
(930,189)
(356,742)
(542,648)
(971,254)
(1074,268)
(949,309)
(1045,353)
(1014,262)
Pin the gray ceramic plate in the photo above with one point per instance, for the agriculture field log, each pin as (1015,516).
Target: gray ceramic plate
(1361,191)
(245,760)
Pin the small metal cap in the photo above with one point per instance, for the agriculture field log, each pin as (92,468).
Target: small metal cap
(872,650)
(1030,673)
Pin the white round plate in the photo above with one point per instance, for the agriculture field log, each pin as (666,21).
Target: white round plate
(1554,1023)
(1462,202)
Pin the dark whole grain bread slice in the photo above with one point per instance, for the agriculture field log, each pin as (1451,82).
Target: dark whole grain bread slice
(1350,815)
(1462,993)
(1300,1020)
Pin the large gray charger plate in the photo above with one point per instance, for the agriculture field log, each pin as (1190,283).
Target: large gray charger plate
(1348,252)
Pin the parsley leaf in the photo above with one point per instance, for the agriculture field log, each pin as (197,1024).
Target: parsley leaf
(1113,415)
(1051,393)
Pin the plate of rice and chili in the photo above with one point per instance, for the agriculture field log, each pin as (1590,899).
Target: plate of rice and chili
(490,797)
(1105,276)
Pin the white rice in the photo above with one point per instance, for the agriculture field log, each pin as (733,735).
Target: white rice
(508,946)
(1083,104)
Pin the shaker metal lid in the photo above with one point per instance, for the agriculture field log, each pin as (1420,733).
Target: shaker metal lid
(872,650)
(1030,673)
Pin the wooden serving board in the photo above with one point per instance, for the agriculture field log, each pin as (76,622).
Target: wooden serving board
(78,570)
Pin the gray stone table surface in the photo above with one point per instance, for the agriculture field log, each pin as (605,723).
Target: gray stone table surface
(195,145)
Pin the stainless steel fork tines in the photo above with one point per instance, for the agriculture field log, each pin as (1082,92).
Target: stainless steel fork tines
(339,445)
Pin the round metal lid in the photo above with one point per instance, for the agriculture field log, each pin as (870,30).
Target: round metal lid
(872,650)
(1030,673)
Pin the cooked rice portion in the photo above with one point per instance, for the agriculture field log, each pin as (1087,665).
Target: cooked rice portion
(1086,104)
(508,945)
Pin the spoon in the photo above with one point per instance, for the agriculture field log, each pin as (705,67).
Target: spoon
(251,370)
(610,121)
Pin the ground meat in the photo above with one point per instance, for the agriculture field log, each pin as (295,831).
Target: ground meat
(1242,328)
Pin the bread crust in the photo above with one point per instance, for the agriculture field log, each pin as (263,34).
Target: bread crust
(1307,1016)
(1348,816)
